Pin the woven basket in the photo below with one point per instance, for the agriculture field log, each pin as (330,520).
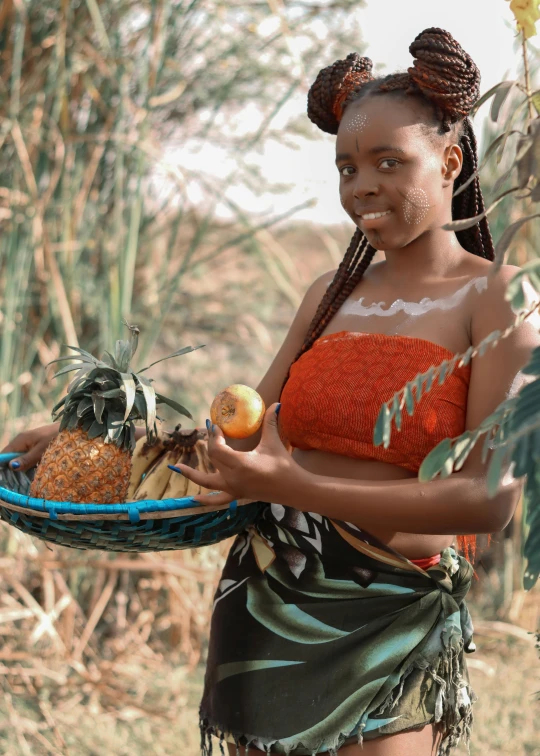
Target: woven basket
(133,526)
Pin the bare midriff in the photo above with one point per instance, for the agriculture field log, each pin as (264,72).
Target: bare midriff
(411,545)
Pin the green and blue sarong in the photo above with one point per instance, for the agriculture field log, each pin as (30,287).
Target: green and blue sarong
(323,636)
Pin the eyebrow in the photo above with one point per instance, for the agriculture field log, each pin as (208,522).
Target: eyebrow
(372,151)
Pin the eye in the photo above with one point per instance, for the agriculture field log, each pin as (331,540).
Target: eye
(345,168)
(391,163)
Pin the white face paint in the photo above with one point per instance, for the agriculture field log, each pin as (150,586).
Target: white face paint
(356,123)
(415,206)
(413,309)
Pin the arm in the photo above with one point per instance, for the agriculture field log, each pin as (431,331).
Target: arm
(455,505)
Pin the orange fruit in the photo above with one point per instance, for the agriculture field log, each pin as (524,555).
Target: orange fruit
(238,410)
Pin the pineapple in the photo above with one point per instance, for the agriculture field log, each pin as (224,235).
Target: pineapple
(90,459)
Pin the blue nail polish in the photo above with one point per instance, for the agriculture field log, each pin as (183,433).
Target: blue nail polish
(278,408)
(213,428)
(208,426)
(176,469)
(15,465)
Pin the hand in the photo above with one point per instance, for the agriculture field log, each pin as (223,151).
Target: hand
(33,442)
(256,475)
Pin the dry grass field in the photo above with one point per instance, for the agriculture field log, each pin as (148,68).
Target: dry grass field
(149,706)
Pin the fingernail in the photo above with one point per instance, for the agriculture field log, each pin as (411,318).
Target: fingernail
(176,469)
(208,426)
(15,465)
(278,408)
(213,428)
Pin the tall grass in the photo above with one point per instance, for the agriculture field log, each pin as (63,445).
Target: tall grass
(91,94)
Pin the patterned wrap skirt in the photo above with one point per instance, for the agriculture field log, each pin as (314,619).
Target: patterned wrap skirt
(323,636)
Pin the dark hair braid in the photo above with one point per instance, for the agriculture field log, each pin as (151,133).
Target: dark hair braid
(445,77)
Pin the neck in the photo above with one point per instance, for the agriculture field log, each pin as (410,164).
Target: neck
(434,254)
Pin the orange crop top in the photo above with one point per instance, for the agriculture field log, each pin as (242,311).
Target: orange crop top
(335,391)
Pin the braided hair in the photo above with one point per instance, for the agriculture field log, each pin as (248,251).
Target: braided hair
(442,76)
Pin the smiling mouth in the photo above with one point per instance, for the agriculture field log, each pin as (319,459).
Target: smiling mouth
(374,216)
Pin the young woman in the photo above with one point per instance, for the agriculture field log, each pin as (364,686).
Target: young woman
(339,624)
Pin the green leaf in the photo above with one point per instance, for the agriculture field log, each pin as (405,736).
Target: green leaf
(83,405)
(140,405)
(535,99)
(495,469)
(466,357)
(130,389)
(65,370)
(150,399)
(396,410)
(485,97)
(490,150)
(108,359)
(115,393)
(96,430)
(461,225)
(533,366)
(430,375)
(99,405)
(85,356)
(409,399)
(491,338)
(434,462)
(175,405)
(462,448)
(505,87)
(443,371)
(381,433)
(123,355)
(185,350)
(59,404)
(507,236)
(418,385)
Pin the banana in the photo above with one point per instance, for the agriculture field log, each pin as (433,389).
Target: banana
(142,459)
(201,450)
(157,478)
(177,485)
(191,459)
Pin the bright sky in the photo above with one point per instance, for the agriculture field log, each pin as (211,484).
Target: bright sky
(485,30)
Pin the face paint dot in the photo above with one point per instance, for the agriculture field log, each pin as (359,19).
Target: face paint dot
(357,122)
(415,206)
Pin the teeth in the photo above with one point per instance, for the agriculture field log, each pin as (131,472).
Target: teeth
(373,216)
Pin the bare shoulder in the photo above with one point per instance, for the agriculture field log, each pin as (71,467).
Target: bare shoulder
(492,309)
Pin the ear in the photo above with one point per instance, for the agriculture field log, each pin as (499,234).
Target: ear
(453,163)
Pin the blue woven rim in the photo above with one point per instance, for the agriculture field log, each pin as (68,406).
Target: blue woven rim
(133,508)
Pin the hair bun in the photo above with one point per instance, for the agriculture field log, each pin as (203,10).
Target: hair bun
(445,73)
(332,87)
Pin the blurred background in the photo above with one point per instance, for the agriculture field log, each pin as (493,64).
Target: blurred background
(157,164)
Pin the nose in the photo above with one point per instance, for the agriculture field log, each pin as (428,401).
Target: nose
(364,187)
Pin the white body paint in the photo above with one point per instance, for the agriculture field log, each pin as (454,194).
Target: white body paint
(414,308)
(356,123)
(415,206)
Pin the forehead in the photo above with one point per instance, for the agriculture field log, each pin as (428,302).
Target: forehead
(393,120)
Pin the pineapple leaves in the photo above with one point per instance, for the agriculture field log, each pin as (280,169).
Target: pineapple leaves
(98,403)
(175,405)
(185,350)
(130,389)
(106,395)
(123,355)
(150,401)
